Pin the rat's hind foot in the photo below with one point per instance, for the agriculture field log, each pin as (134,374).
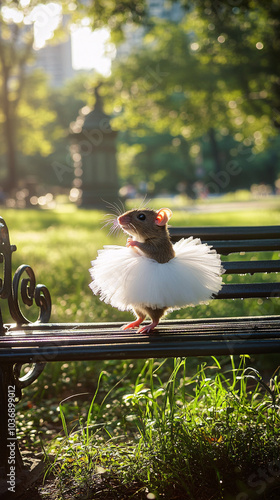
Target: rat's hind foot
(148,328)
(134,324)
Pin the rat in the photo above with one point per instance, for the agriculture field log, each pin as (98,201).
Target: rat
(150,276)
(151,237)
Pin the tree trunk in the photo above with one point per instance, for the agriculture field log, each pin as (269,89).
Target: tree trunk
(215,150)
(10,135)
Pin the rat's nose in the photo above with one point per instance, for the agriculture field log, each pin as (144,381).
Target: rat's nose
(122,220)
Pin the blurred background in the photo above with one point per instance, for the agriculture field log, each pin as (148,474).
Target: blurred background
(118,100)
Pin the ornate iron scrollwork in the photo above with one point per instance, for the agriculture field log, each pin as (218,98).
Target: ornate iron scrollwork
(29,292)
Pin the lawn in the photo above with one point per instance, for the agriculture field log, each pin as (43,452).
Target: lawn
(204,408)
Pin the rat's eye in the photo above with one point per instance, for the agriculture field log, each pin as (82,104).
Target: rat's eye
(141,216)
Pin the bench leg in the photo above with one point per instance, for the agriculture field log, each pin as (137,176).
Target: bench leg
(15,476)
(10,458)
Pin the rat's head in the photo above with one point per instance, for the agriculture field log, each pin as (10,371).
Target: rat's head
(145,223)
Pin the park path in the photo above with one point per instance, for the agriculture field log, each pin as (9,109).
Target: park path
(233,206)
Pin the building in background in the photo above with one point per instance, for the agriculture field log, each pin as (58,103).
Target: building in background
(56,58)
(56,61)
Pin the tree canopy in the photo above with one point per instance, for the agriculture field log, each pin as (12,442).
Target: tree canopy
(213,75)
(198,96)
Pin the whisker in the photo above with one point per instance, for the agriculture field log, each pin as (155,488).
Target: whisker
(114,206)
(107,224)
(114,225)
(122,206)
(117,208)
(109,221)
(133,227)
(144,203)
(114,229)
(109,215)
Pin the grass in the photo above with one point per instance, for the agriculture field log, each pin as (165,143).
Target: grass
(208,435)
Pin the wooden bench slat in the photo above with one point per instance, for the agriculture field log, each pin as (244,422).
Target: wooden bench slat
(257,324)
(144,349)
(249,291)
(206,233)
(76,327)
(251,267)
(178,337)
(230,246)
(68,338)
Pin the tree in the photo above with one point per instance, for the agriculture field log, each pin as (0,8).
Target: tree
(15,49)
(16,55)
(114,14)
(158,161)
(250,29)
(192,81)
(20,87)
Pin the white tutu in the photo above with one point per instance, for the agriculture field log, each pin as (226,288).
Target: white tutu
(124,278)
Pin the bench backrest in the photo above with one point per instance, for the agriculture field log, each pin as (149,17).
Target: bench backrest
(236,240)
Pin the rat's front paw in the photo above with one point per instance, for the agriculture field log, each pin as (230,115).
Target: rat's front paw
(131,243)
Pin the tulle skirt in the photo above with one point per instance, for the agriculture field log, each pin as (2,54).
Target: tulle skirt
(124,278)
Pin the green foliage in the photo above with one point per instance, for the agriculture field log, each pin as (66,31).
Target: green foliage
(245,27)
(115,14)
(157,160)
(209,83)
(213,75)
(186,83)
(24,94)
(36,121)
(210,433)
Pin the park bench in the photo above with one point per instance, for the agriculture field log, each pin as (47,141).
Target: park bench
(40,342)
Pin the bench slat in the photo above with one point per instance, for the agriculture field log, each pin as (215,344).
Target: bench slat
(251,267)
(116,336)
(230,246)
(207,233)
(76,327)
(34,333)
(184,338)
(249,291)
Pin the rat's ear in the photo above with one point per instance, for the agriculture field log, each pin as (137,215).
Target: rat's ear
(163,216)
